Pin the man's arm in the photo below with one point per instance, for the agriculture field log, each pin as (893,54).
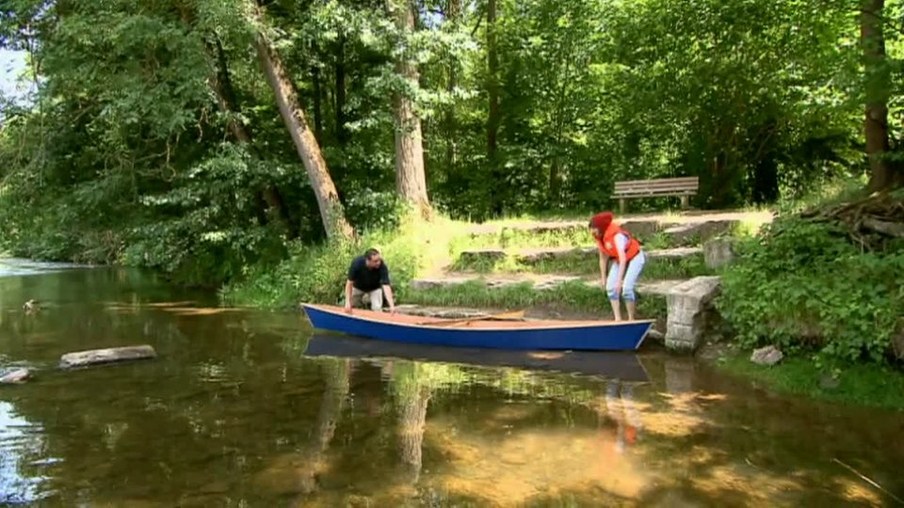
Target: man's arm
(348,295)
(387,289)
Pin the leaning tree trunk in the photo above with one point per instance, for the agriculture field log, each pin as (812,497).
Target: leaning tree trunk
(331,211)
(411,180)
(883,173)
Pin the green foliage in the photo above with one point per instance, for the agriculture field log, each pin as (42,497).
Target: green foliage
(127,151)
(802,285)
(206,228)
(318,273)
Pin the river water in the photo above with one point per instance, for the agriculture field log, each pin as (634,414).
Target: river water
(249,408)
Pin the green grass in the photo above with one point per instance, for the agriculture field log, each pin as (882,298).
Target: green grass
(571,295)
(580,263)
(513,238)
(859,384)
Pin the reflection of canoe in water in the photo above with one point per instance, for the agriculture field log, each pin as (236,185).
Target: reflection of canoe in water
(616,365)
(481,332)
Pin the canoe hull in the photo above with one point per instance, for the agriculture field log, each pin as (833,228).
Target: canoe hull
(592,336)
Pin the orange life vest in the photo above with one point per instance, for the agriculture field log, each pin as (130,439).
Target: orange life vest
(607,243)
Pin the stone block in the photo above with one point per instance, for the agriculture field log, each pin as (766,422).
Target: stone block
(769,355)
(109,355)
(698,231)
(691,314)
(479,255)
(15,376)
(718,252)
(427,284)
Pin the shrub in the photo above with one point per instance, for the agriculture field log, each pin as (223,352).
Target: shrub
(803,285)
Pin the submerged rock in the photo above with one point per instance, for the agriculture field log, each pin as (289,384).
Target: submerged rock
(109,355)
(15,376)
(769,355)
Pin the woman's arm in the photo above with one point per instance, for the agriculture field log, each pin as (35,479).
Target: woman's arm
(604,267)
(620,244)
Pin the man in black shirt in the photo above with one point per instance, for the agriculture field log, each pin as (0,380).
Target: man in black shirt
(368,275)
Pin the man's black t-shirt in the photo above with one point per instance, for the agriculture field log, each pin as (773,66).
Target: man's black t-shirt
(367,279)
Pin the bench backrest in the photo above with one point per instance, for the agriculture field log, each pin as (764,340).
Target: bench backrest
(657,186)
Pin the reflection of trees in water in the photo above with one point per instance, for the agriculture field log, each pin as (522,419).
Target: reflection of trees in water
(200,414)
(335,393)
(412,422)
(413,384)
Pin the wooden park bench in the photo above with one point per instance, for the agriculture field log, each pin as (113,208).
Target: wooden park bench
(684,187)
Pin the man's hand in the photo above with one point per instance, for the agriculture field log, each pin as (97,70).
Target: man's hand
(618,288)
(392,309)
(348,308)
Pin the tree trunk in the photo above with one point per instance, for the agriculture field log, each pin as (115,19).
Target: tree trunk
(494,115)
(341,132)
(411,180)
(318,102)
(331,211)
(453,11)
(884,174)
(492,81)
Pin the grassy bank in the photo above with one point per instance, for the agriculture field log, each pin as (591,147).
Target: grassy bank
(854,384)
(416,248)
(829,292)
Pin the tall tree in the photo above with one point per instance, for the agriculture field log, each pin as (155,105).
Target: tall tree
(411,180)
(331,211)
(884,174)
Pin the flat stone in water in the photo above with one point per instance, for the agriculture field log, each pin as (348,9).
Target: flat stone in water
(109,355)
(15,376)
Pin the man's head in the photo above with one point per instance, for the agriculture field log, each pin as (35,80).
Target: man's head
(372,258)
(599,223)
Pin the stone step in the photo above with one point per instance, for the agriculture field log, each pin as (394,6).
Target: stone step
(537,282)
(531,256)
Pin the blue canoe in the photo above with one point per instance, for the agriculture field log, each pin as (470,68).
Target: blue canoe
(482,333)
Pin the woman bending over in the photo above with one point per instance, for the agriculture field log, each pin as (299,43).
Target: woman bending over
(628,258)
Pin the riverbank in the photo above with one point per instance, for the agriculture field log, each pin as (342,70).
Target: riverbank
(852,384)
(779,274)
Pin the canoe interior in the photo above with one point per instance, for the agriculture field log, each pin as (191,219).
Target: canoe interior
(475,323)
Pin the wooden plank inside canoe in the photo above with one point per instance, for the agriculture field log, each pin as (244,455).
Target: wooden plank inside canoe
(516,315)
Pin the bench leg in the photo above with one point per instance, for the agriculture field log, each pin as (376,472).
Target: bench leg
(621,205)
(685,201)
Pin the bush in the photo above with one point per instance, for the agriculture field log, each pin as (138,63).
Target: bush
(317,274)
(803,285)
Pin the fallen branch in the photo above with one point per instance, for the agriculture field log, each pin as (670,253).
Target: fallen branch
(895,229)
(871,482)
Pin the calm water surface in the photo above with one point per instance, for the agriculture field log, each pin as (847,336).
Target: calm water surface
(247,408)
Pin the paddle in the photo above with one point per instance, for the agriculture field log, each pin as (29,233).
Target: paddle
(515,315)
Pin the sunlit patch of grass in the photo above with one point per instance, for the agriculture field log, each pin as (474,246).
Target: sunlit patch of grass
(576,295)
(858,384)
(566,236)
(580,263)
